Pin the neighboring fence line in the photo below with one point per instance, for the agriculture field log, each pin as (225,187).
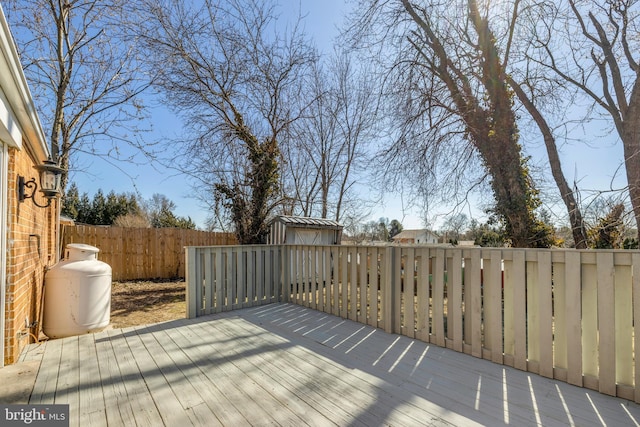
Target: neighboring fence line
(142,253)
(563,314)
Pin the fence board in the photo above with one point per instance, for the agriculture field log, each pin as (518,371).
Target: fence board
(560,320)
(250,278)
(209,280)
(533,323)
(409,290)
(606,324)
(353,283)
(545,307)
(454,295)
(437,328)
(623,311)
(344,281)
(492,286)
(306,276)
(143,253)
(363,260)
(335,256)
(636,315)
(373,288)
(385,289)
(422,332)
(259,275)
(573,309)
(396,292)
(313,277)
(589,323)
(475,290)
(519,311)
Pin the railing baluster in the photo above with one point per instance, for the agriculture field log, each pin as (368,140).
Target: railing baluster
(519,310)
(373,287)
(623,312)
(344,281)
(635,262)
(606,324)
(573,309)
(423,286)
(454,294)
(353,283)
(409,293)
(362,284)
(546,313)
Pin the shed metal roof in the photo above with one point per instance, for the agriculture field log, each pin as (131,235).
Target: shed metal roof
(308,222)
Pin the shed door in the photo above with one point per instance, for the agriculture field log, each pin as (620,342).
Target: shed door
(307,237)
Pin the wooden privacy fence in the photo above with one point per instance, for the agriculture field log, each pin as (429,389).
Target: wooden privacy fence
(142,253)
(563,314)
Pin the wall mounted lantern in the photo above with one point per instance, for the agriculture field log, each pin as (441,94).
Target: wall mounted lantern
(50,177)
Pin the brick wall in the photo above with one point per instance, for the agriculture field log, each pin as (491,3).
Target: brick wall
(30,249)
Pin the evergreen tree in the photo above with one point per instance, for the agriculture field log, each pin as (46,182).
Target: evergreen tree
(98,209)
(608,232)
(84,210)
(71,202)
(395,228)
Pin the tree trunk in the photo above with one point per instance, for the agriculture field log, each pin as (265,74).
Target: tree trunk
(495,135)
(630,136)
(575,215)
(503,159)
(490,124)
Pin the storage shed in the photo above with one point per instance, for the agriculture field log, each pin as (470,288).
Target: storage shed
(297,230)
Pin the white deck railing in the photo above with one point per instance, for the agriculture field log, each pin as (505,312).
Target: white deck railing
(563,314)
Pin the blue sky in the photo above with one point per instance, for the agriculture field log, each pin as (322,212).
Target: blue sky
(321,23)
(591,165)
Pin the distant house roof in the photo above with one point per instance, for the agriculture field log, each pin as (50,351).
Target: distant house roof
(412,235)
(407,234)
(308,222)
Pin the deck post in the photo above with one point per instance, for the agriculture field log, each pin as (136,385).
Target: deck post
(192,281)
(285,287)
(388,286)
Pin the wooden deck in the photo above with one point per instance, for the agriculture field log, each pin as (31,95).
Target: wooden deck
(282,364)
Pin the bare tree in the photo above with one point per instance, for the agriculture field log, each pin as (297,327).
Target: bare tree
(454,226)
(330,144)
(454,105)
(311,148)
(85,77)
(229,73)
(600,59)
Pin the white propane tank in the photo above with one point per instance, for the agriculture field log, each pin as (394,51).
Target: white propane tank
(77,293)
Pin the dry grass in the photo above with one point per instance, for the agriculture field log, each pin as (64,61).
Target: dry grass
(145,302)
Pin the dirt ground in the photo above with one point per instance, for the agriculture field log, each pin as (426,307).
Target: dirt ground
(144,302)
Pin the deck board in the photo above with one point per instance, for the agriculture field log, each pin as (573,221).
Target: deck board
(117,405)
(165,401)
(284,364)
(92,409)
